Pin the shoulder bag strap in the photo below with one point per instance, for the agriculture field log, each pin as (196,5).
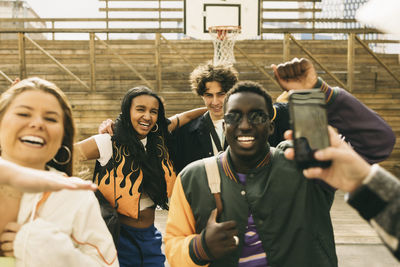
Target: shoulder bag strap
(214,180)
(214,134)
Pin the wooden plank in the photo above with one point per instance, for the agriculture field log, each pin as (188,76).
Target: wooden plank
(126,63)
(5,77)
(304,10)
(153,0)
(22,59)
(350,62)
(286,47)
(92,60)
(133,9)
(158,61)
(62,67)
(310,20)
(377,59)
(89,30)
(85,19)
(257,66)
(177,51)
(271,0)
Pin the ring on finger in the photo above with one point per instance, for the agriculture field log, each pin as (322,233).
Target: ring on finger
(236,240)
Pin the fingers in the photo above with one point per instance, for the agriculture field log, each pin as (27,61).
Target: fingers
(305,64)
(80,184)
(228,237)
(7,248)
(12,227)
(288,135)
(291,69)
(7,238)
(289,153)
(49,181)
(334,137)
(106,127)
(313,172)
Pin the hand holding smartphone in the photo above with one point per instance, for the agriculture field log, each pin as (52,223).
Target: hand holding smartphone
(309,123)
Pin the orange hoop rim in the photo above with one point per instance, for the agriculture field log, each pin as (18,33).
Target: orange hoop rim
(224,32)
(227,28)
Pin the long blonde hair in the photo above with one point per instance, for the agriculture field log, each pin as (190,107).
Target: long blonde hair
(36,83)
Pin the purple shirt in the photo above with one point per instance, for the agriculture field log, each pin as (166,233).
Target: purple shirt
(252,254)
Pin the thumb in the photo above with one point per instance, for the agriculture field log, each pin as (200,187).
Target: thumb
(213,217)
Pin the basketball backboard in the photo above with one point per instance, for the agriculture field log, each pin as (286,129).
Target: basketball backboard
(201,14)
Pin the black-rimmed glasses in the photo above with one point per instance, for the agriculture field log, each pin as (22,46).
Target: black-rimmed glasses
(254,117)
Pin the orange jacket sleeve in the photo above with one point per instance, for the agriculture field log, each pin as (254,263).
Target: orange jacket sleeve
(180,229)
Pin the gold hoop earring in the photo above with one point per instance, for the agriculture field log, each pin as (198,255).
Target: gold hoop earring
(67,160)
(153,131)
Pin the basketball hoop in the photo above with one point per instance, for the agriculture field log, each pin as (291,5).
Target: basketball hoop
(224,38)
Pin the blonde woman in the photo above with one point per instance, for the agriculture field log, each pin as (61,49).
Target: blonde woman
(62,228)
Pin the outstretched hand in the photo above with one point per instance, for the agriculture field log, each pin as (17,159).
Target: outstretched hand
(295,74)
(348,169)
(219,237)
(32,181)
(29,180)
(107,126)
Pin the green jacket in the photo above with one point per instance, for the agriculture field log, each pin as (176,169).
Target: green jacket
(291,212)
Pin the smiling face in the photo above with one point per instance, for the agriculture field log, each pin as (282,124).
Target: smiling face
(144,114)
(32,129)
(214,99)
(247,140)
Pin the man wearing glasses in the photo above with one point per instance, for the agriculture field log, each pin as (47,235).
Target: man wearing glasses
(268,214)
(271,214)
(203,137)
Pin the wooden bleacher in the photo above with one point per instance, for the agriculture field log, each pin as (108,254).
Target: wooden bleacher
(373,85)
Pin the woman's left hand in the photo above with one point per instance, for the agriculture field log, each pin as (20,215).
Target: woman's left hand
(7,238)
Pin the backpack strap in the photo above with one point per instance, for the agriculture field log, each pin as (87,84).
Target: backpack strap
(214,135)
(214,180)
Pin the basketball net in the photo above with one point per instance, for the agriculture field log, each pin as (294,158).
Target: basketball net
(224,38)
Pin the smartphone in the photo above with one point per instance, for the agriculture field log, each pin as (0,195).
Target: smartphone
(309,122)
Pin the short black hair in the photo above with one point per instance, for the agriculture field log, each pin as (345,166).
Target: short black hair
(252,87)
(226,75)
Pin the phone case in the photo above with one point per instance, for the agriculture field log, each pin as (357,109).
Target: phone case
(309,122)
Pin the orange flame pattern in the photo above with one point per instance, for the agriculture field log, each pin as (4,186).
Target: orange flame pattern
(127,185)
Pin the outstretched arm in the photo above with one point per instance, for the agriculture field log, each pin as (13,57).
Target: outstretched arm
(31,180)
(365,130)
(176,120)
(181,119)
(375,193)
(87,149)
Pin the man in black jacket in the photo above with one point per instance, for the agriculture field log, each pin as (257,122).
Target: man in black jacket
(370,136)
(203,137)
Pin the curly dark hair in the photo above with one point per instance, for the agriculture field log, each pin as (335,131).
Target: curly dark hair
(150,162)
(226,75)
(252,87)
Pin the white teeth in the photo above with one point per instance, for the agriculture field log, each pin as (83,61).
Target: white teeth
(32,139)
(245,138)
(144,124)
